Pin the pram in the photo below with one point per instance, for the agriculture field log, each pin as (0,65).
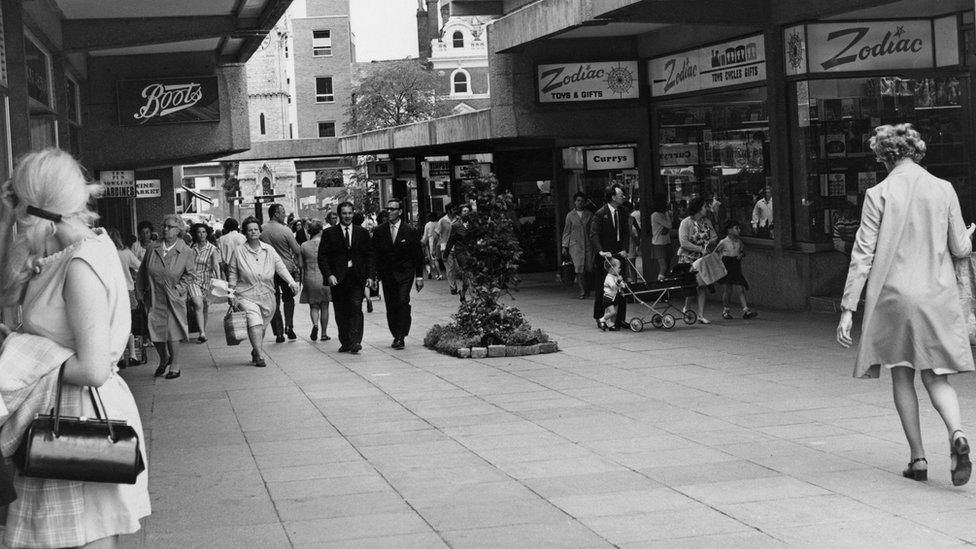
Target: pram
(657,296)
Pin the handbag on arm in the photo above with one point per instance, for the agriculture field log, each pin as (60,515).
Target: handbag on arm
(84,449)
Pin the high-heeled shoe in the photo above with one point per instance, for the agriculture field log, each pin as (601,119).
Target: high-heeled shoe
(914,473)
(162,367)
(959,449)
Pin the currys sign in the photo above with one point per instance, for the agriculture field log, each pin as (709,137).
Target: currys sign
(168,101)
(601,81)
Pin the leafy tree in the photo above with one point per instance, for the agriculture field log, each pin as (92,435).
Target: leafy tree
(391,94)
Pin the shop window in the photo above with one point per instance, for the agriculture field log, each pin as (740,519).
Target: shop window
(261,123)
(833,163)
(73,98)
(323,90)
(321,43)
(39,76)
(717,146)
(327,129)
(458,39)
(460,82)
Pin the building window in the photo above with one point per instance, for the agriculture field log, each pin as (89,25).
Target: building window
(73,97)
(291,132)
(460,82)
(261,123)
(323,90)
(286,51)
(458,39)
(39,75)
(327,129)
(321,43)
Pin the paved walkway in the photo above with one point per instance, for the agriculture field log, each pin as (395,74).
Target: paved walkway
(743,433)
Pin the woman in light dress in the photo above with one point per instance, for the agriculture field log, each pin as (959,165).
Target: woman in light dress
(68,279)
(314,291)
(250,273)
(911,228)
(696,237)
(576,242)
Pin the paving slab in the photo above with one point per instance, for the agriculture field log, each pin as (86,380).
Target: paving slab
(729,435)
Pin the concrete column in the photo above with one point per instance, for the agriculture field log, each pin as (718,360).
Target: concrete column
(646,165)
(559,189)
(778,110)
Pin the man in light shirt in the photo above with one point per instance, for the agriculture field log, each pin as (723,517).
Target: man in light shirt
(444,234)
(229,240)
(280,237)
(762,215)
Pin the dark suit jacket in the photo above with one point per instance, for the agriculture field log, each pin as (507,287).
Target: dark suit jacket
(401,260)
(335,254)
(603,237)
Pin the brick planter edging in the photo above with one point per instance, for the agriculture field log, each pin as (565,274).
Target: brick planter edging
(493,351)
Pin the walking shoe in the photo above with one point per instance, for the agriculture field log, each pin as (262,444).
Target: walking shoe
(747,314)
(174,375)
(260,363)
(398,343)
(291,334)
(726,315)
(202,339)
(343,349)
(279,338)
(703,320)
(959,449)
(354,349)
(315,333)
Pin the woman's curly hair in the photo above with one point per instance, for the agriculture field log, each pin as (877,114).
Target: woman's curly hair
(892,143)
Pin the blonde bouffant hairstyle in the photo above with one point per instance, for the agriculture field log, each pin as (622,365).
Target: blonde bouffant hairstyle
(52,180)
(892,143)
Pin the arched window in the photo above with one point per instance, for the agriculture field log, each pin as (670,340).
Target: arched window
(266,188)
(458,39)
(460,82)
(261,123)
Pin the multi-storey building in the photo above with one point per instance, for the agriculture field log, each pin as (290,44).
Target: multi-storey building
(455,46)
(323,54)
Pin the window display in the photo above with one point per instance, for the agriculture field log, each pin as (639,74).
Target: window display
(717,146)
(834,123)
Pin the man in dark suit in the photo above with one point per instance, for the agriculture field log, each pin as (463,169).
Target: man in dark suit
(346,262)
(400,262)
(610,236)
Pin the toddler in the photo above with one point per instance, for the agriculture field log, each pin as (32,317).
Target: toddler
(731,249)
(611,287)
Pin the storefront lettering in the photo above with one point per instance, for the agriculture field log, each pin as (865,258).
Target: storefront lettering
(611,159)
(162,99)
(583,74)
(892,43)
(687,71)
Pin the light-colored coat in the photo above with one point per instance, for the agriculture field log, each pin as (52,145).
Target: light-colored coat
(911,228)
(164,282)
(576,238)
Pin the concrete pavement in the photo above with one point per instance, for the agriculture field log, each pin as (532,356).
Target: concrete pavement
(738,434)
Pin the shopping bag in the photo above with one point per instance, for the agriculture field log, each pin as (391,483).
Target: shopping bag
(966,279)
(567,273)
(710,269)
(235,326)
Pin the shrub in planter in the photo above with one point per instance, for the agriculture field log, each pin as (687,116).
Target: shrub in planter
(488,253)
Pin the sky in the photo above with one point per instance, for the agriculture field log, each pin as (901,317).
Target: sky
(384,29)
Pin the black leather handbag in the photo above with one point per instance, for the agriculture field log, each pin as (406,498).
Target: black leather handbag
(80,448)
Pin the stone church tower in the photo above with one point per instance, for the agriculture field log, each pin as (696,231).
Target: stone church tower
(268,79)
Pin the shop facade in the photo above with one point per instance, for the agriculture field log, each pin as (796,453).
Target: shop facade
(767,115)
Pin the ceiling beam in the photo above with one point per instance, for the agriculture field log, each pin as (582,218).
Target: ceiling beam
(700,12)
(273,11)
(102,34)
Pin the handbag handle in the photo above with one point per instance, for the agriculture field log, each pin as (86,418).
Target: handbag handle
(97,405)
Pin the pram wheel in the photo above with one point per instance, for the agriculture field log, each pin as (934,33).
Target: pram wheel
(668,322)
(657,321)
(636,325)
(690,317)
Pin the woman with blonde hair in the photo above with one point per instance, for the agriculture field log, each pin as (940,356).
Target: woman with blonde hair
(911,228)
(165,278)
(69,282)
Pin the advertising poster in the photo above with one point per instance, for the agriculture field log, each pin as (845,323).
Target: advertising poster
(728,64)
(168,101)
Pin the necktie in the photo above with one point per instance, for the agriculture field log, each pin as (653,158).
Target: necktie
(616,224)
(393,233)
(348,240)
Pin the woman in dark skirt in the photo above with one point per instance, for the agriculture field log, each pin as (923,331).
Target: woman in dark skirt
(731,249)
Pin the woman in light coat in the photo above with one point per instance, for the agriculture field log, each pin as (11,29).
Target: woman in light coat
(911,228)
(164,282)
(576,242)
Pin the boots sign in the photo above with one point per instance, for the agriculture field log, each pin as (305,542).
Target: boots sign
(849,46)
(600,81)
(168,101)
